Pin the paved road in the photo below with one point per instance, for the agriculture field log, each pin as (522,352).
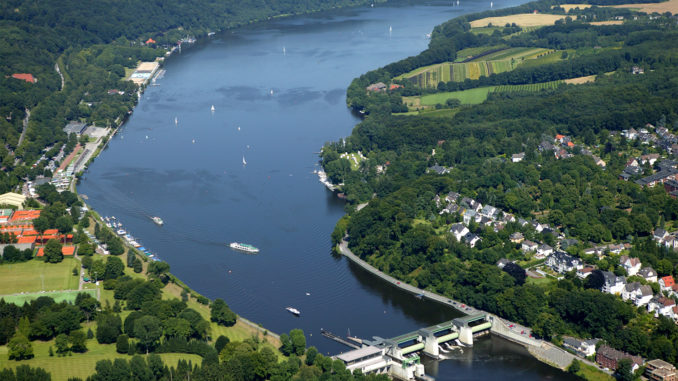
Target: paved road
(23,132)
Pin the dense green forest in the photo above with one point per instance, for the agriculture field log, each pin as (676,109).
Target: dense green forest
(93,45)
(402,233)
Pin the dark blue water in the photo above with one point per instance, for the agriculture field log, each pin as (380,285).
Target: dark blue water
(278,90)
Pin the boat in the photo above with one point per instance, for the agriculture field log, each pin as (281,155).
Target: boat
(293,310)
(212,108)
(121,232)
(158,221)
(244,247)
(176,120)
(243,160)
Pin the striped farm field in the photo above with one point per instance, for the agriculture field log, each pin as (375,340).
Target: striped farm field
(479,95)
(528,87)
(496,62)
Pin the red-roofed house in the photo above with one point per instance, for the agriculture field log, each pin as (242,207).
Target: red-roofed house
(25,77)
(570,144)
(666,283)
(560,137)
(150,41)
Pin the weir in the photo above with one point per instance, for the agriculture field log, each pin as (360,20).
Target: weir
(399,356)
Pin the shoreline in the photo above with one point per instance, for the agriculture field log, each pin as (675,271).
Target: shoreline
(543,351)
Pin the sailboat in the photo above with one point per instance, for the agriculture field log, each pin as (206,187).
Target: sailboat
(212,108)
(284,51)
(176,121)
(491,4)
(243,160)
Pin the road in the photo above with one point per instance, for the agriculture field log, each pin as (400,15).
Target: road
(56,67)
(23,132)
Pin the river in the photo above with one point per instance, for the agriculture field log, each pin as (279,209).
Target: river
(278,91)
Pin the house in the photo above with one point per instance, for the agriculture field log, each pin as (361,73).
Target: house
(639,294)
(150,41)
(484,221)
(630,134)
(471,204)
(489,211)
(659,370)
(459,231)
(543,251)
(613,284)
(599,162)
(608,358)
(659,234)
(75,128)
(28,77)
(469,215)
(517,237)
(648,274)
(502,262)
(659,178)
(564,244)
(528,246)
(637,70)
(451,209)
(537,226)
(649,158)
(438,169)
(615,249)
(661,306)
(517,157)
(665,283)
(376,87)
(670,242)
(583,348)
(631,265)
(452,197)
(562,262)
(437,200)
(585,271)
(471,239)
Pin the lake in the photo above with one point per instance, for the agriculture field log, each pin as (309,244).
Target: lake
(278,91)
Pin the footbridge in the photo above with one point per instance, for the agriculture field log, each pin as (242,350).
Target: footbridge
(399,356)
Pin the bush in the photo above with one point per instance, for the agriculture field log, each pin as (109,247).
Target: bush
(122,344)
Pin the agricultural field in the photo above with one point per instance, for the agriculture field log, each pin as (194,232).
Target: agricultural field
(477,95)
(469,53)
(528,87)
(609,22)
(569,7)
(667,6)
(522,20)
(36,276)
(496,62)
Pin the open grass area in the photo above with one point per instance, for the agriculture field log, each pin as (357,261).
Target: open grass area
(36,275)
(58,296)
(466,97)
(79,364)
(592,373)
(569,7)
(667,6)
(493,63)
(521,19)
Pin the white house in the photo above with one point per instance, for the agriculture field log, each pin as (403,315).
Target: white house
(471,239)
(543,251)
(584,348)
(661,306)
(665,283)
(631,265)
(562,262)
(648,274)
(639,294)
(613,284)
(528,246)
(459,231)
(489,211)
(517,157)
(469,215)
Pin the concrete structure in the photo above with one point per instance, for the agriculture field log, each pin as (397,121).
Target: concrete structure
(609,357)
(13,199)
(74,127)
(658,370)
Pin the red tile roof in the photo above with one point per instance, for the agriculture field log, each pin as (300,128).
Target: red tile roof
(24,76)
(668,281)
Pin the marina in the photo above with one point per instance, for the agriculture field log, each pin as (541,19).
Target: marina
(114,224)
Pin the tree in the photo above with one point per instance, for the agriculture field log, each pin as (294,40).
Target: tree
(574,367)
(108,328)
(298,341)
(517,272)
(177,327)
(147,329)
(311,354)
(64,224)
(221,314)
(114,268)
(221,343)
(158,267)
(122,344)
(286,344)
(624,371)
(20,348)
(53,252)
(78,341)
(61,343)
(596,280)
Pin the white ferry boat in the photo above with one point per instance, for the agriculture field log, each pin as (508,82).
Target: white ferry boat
(244,247)
(293,310)
(158,221)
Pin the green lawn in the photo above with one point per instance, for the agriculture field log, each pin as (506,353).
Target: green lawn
(58,296)
(592,373)
(472,96)
(79,364)
(36,275)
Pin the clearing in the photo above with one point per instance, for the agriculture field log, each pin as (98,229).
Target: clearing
(521,19)
(668,6)
(36,276)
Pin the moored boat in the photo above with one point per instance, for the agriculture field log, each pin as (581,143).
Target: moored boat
(293,310)
(158,221)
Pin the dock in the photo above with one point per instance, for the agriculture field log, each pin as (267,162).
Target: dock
(338,339)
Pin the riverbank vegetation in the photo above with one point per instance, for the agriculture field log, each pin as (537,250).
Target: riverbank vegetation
(551,154)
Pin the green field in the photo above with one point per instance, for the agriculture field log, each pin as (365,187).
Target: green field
(36,275)
(479,95)
(497,62)
(467,53)
(79,364)
(58,296)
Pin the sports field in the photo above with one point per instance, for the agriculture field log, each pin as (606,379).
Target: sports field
(58,296)
(521,19)
(35,276)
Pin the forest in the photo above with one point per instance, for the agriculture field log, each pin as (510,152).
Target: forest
(402,233)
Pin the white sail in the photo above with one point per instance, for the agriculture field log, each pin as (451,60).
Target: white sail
(212,108)
(243,160)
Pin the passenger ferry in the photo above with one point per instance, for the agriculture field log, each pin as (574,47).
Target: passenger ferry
(244,247)
(158,221)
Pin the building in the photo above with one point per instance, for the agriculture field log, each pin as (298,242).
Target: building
(609,357)
(639,294)
(585,271)
(469,215)
(517,157)
(562,262)
(14,199)
(662,306)
(489,211)
(583,348)
(543,251)
(648,274)
(28,77)
(75,128)
(502,263)
(631,265)
(666,283)
(471,239)
(459,231)
(376,87)
(528,246)
(452,197)
(517,237)
(438,169)
(613,284)
(659,370)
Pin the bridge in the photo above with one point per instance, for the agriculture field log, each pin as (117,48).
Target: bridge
(399,356)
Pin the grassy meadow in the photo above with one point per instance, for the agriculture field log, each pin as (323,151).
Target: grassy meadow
(36,275)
